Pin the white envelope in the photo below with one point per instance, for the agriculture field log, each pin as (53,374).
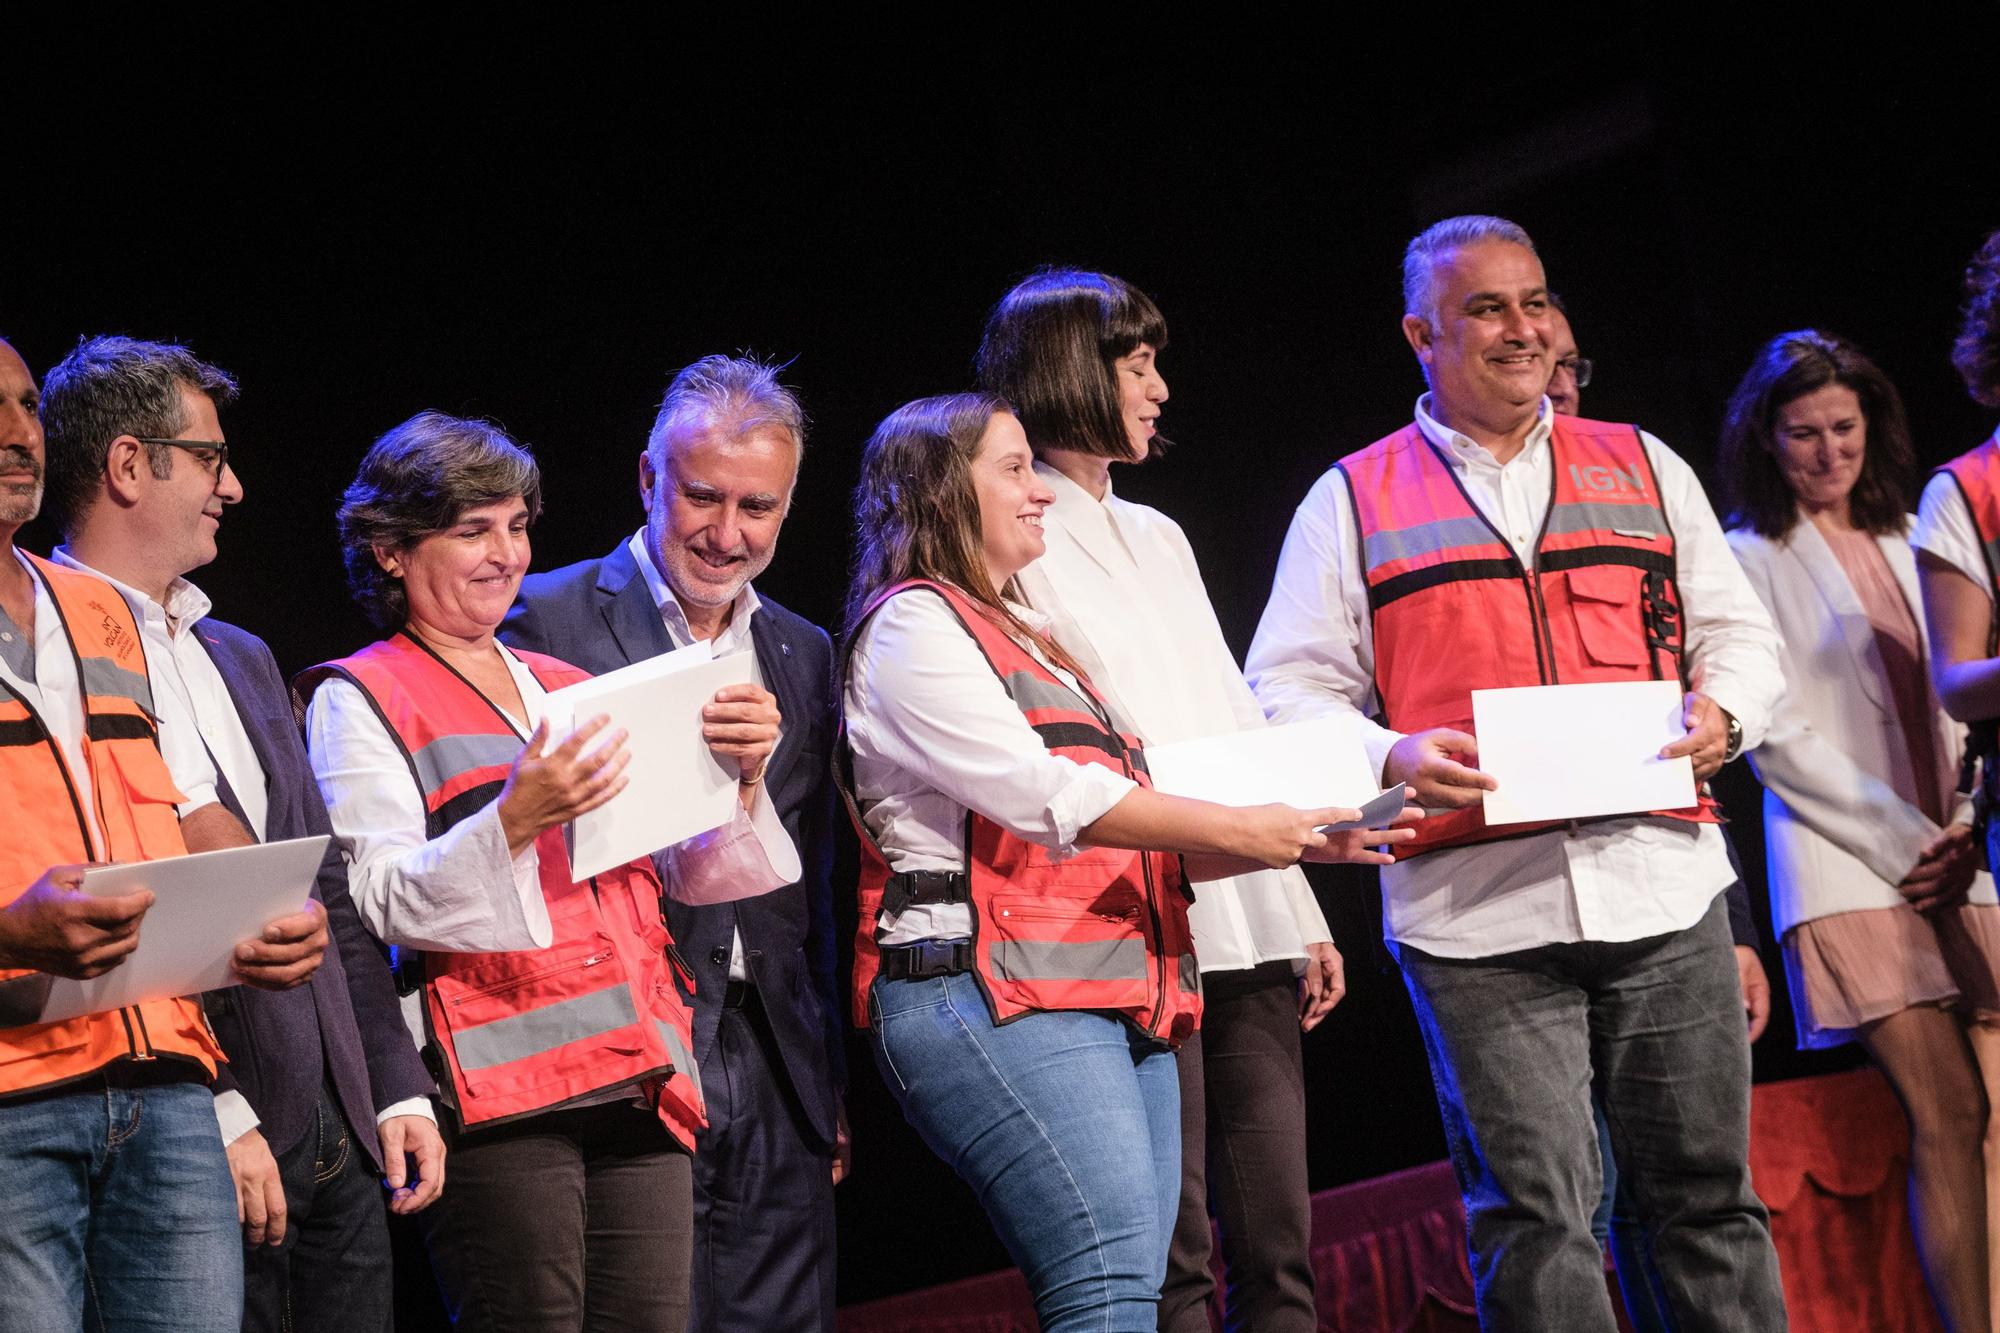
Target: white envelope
(1306,765)
(204,905)
(1581,751)
(677,788)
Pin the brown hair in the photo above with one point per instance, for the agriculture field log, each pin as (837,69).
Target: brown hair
(916,512)
(1791,366)
(1049,348)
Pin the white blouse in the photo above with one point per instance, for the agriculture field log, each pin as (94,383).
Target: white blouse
(1124,596)
(934,735)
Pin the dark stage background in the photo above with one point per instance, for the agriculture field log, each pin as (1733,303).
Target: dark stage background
(541,231)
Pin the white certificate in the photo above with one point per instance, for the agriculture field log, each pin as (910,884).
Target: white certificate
(1306,765)
(677,787)
(204,905)
(1581,751)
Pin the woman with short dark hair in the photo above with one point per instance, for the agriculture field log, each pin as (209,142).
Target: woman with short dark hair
(1957,536)
(547,1008)
(1890,937)
(1077,354)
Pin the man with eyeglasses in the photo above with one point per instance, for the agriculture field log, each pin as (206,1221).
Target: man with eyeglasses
(324,1089)
(118,1191)
(1570,373)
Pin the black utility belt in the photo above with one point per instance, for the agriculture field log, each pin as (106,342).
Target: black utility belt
(924,888)
(926,958)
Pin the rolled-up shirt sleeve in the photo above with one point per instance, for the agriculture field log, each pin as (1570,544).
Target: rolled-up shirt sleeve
(922,699)
(1311,655)
(460,892)
(1730,645)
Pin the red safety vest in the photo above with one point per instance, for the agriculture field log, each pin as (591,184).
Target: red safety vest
(1977,476)
(134,796)
(1453,609)
(1104,929)
(530,1030)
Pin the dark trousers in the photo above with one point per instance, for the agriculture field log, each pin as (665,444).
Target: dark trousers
(1243,1154)
(331,1271)
(1518,1041)
(567,1220)
(763,1189)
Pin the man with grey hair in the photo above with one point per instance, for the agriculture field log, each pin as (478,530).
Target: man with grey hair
(716,479)
(140,476)
(1492,543)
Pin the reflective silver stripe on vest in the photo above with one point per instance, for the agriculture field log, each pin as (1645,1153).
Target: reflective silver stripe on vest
(1425,538)
(1029,691)
(519,1036)
(1589,515)
(678,1052)
(103,676)
(448,756)
(1190,971)
(1068,960)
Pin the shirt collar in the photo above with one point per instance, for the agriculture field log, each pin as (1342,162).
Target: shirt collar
(1464,451)
(668,602)
(185,603)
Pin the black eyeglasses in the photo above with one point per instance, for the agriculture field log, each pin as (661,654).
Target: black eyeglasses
(213,455)
(1579,368)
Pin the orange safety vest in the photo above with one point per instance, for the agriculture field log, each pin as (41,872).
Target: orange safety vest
(134,796)
(520,1032)
(1976,473)
(1103,929)
(1454,610)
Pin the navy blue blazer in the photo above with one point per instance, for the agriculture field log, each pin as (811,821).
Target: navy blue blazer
(599,615)
(345,1023)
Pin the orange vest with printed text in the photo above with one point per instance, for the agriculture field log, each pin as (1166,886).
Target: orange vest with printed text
(1104,929)
(1453,609)
(525,1031)
(133,798)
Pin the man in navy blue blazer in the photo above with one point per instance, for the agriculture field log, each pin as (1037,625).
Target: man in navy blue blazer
(716,479)
(324,1092)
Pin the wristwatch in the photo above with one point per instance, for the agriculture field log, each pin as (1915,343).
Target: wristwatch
(1735,744)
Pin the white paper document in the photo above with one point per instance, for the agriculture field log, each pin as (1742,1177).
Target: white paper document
(677,788)
(1581,751)
(204,905)
(1306,765)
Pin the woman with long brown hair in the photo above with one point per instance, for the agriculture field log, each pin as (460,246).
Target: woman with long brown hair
(1023,954)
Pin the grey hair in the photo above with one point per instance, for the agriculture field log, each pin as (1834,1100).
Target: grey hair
(420,478)
(1421,258)
(111,386)
(735,395)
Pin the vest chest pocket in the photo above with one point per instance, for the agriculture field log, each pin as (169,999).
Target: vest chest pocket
(1604,602)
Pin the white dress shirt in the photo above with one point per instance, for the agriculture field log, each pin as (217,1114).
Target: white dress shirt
(1619,879)
(1945,528)
(768,861)
(1124,597)
(188,687)
(934,735)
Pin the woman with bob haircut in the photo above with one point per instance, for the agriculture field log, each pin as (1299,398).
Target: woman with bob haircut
(546,1008)
(1890,934)
(1958,524)
(1023,956)
(1076,353)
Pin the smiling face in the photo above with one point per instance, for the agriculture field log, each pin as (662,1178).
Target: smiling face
(714,504)
(21,448)
(179,514)
(1485,348)
(460,582)
(1011,499)
(1821,442)
(1141,392)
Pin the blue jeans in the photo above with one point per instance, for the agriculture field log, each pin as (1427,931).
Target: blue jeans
(119,1204)
(1066,1125)
(1518,1041)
